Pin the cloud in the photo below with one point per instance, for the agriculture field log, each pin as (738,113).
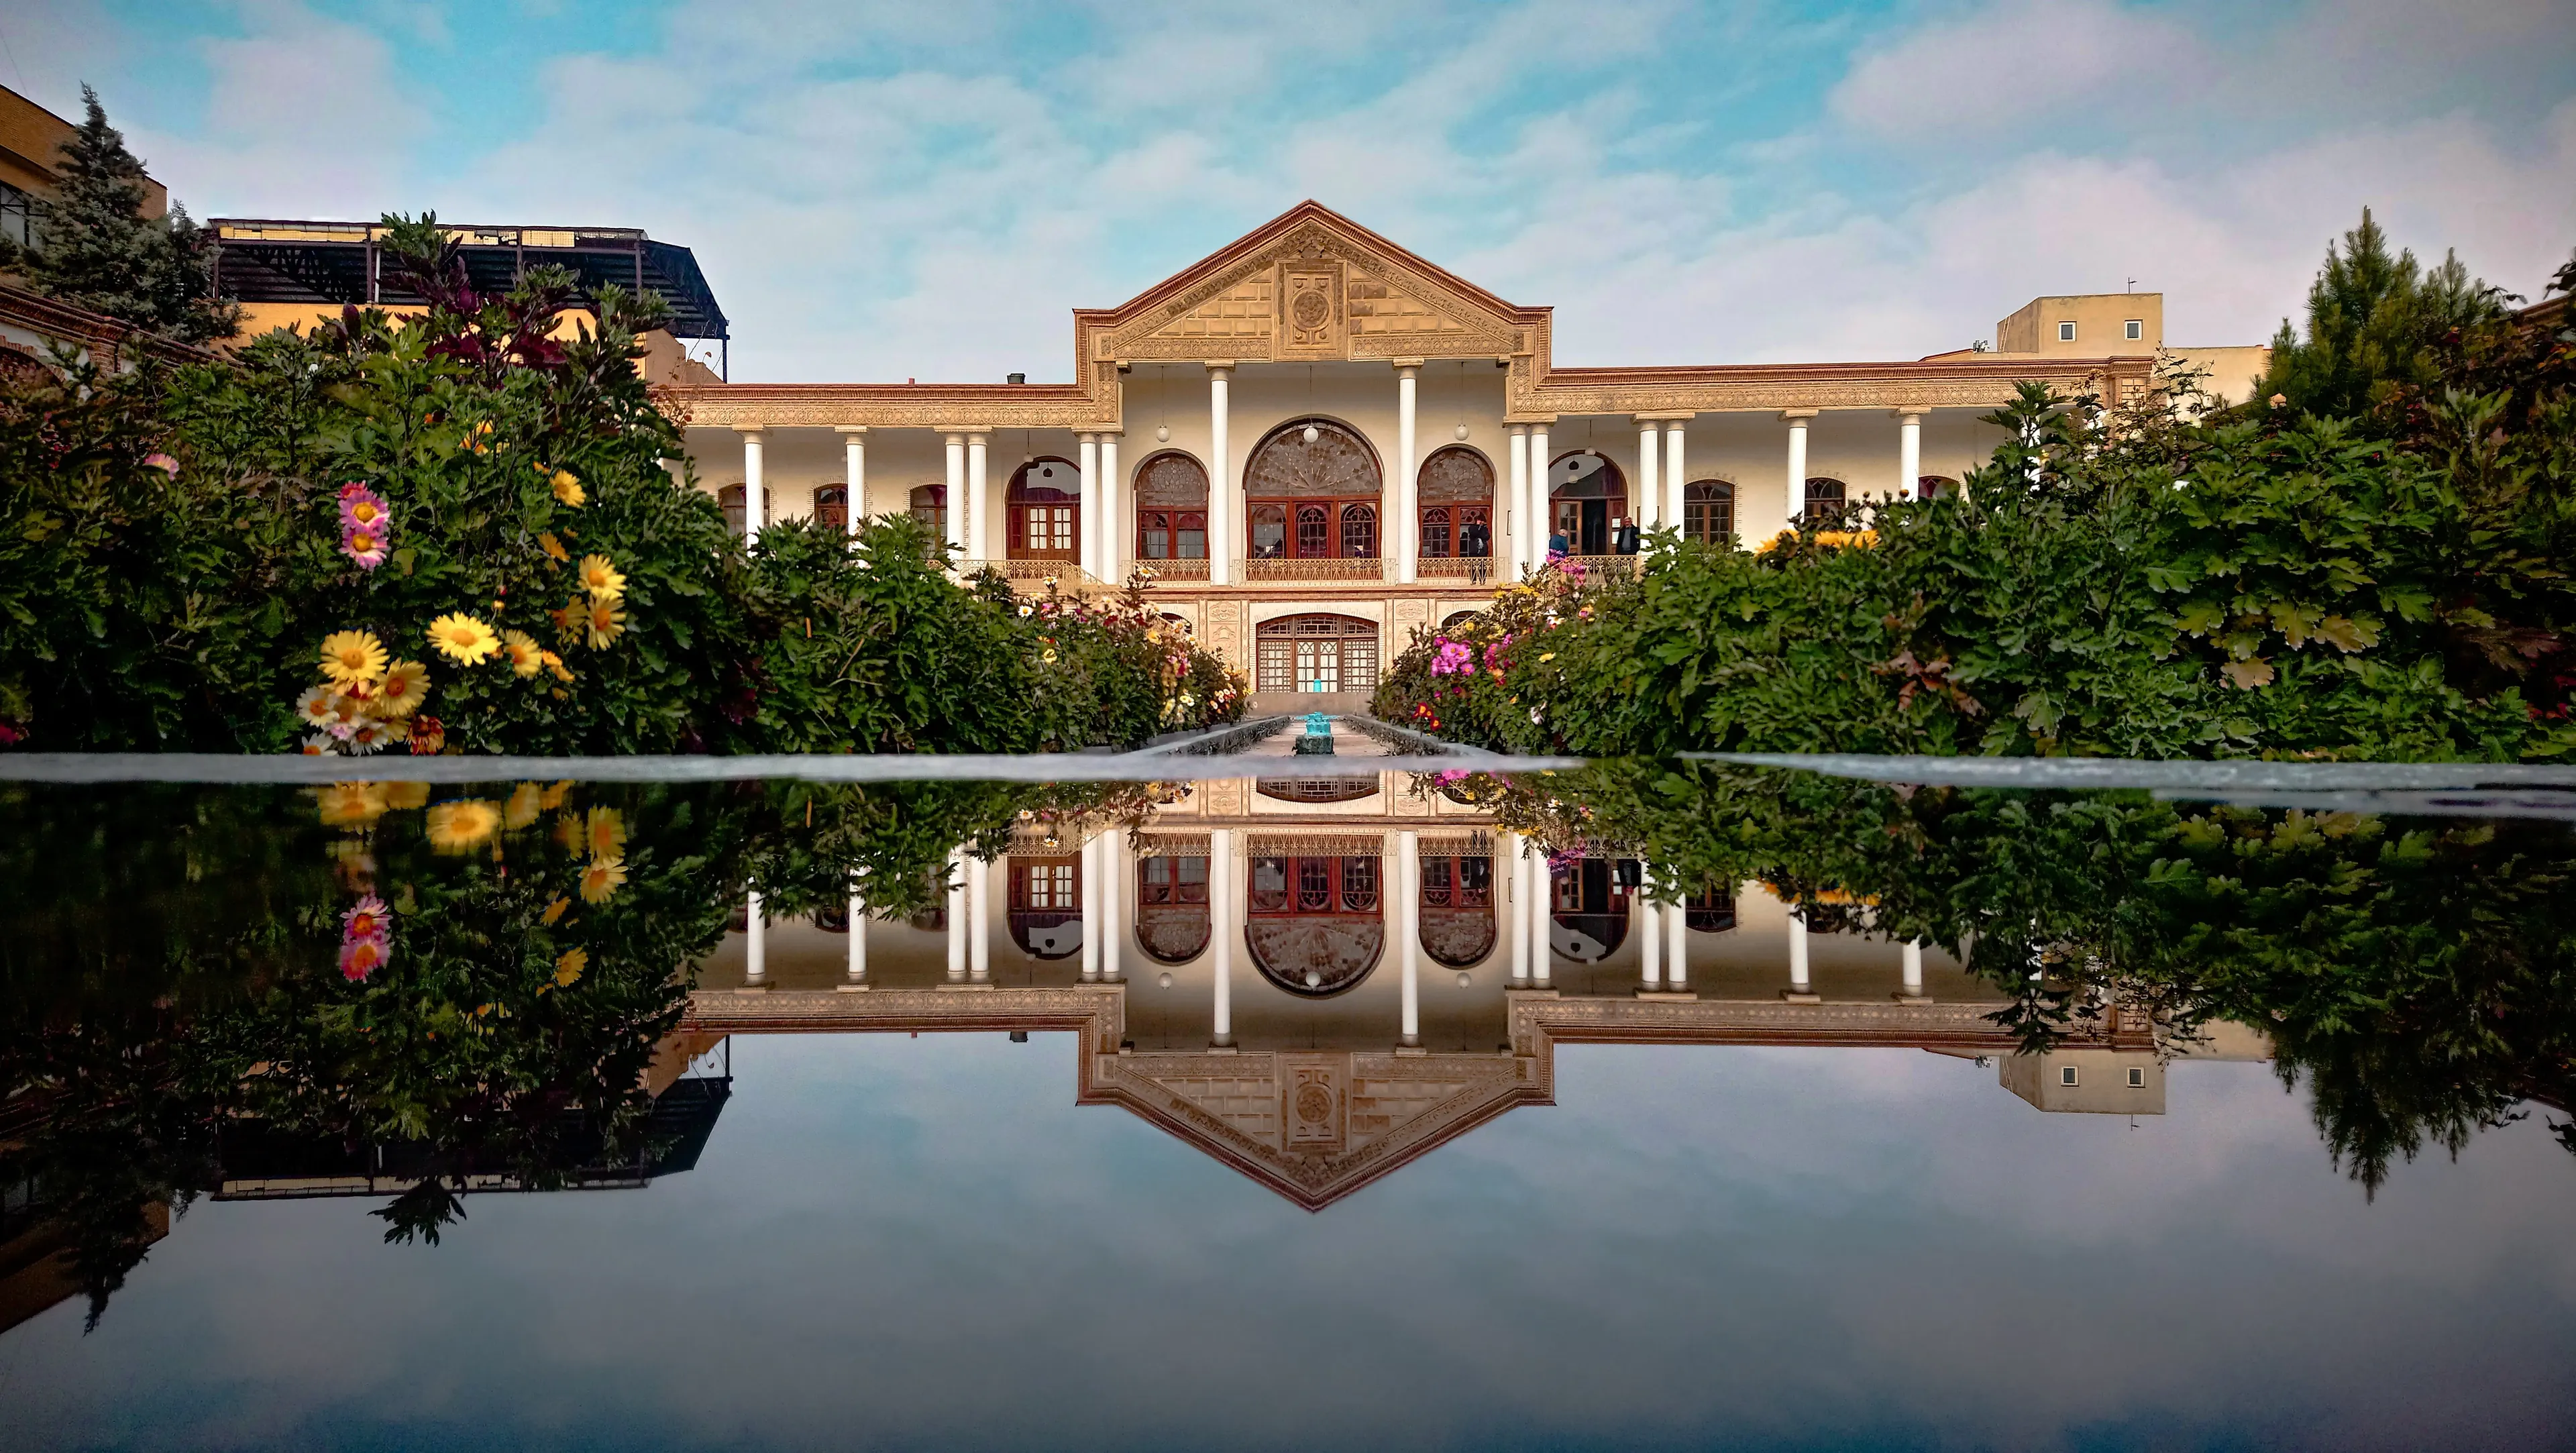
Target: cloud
(2013,63)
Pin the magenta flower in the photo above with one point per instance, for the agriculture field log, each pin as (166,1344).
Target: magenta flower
(1453,657)
(366,919)
(362,508)
(164,463)
(365,546)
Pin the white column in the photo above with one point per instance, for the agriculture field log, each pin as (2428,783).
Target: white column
(1115,531)
(1914,968)
(1676,474)
(858,935)
(1516,521)
(1221,529)
(1677,947)
(1909,452)
(1540,521)
(957,916)
(1650,474)
(1516,898)
(854,472)
(755,943)
(1796,507)
(1797,954)
(979,544)
(956,511)
(1542,942)
(1408,905)
(979,921)
(1407,493)
(1221,920)
(1087,547)
(1092,887)
(1650,939)
(1116,874)
(755,487)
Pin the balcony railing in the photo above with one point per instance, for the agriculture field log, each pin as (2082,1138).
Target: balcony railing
(1473,569)
(1031,577)
(1176,571)
(1614,566)
(1269,571)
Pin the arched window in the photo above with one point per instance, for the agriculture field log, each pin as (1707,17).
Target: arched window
(1171,508)
(929,504)
(834,919)
(1315,653)
(1457,618)
(1172,923)
(1933,486)
(1315,789)
(1458,909)
(1326,486)
(1457,488)
(832,507)
(730,500)
(1708,511)
(1589,909)
(1046,906)
(1314,924)
(1587,496)
(1824,498)
(1045,504)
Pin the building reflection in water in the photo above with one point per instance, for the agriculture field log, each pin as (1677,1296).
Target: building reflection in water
(1317,981)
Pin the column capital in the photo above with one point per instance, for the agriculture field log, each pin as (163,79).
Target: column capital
(1516,431)
(1797,416)
(1086,437)
(751,431)
(1909,411)
(849,428)
(1220,365)
(1666,419)
(960,431)
(1406,365)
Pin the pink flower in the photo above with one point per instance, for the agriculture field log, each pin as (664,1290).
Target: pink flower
(364,546)
(360,957)
(362,508)
(1454,657)
(366,919)
(164,463)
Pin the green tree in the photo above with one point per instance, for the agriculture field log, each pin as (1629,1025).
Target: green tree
(2375,325)
(94,248)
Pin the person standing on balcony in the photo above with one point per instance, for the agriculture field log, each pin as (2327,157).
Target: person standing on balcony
(1623,539)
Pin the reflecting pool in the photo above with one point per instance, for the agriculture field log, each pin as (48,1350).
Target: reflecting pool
(1353,1101)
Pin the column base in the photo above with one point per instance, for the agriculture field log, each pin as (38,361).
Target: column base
(1800,996)
(1547,989)
(1669,996)
(955,986)
(852,988)
(751,988)
(1410,1051)
(1904,998)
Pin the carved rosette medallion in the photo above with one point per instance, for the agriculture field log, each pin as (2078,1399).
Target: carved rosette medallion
(1313,1106)
(1311,310)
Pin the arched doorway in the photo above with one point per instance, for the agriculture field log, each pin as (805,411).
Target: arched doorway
(1315,925)
(1708,511)
(1045,504)
(1311,492)
(928,503)
(1586,496)
(731,498)
(1825,498)
(1933,486)
(1046,906)
(1457,909)
(1456,485)
(1171,513)
(1710,912)
(832,507)
(1172,922)
(1588,909)
(1315,653)
(1315,789)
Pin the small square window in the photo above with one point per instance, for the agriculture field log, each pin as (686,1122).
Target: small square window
(2066,1075)
(2137,1077)
(2134,329)
(2065,332)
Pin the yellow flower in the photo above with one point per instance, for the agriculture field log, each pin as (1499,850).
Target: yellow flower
(352,656)
(568,489)
(456,827)
(526,656)
(603,833)
(601,579)
(462,638)
(405,687)
(607,623)
(553,547)
(1047,655)
(522,808)
(554,911)
(555,664)
(601,879)
(569,967)
(406,795)
(555,795)
(351,804)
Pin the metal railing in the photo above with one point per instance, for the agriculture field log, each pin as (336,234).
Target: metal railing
(1034,576)
(1273,570)
(1473,569)
(1610,565)
(1176,571)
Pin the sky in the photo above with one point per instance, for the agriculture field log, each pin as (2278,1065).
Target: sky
(879,191)
(894,1242)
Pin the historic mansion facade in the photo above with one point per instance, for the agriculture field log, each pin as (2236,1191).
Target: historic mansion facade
(1317,442)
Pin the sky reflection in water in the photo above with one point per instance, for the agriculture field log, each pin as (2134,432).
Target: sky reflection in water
(904,1241)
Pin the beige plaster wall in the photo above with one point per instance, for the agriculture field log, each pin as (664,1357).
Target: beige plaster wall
(2098,320)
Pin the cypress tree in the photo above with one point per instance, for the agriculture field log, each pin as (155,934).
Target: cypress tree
(94,248)
(2374,323)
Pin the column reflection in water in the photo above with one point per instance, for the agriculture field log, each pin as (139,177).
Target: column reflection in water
(755,941)
(1225,930)
(1408,906)
(957,916)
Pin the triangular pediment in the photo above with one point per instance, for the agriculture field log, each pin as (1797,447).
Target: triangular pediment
(1312,285)
(1316,1125)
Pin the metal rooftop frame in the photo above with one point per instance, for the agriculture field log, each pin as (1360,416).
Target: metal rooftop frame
(277,260)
